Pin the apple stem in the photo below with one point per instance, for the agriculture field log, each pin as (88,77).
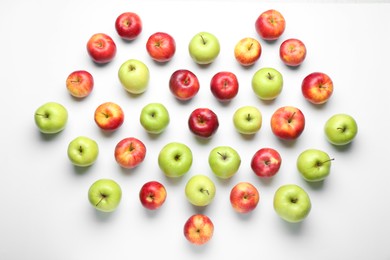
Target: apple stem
(321,163)
(204,41)
(44,115)
(102,198)
(80,149)
(269,76)
(250,46)
(342,129)
(291,117)
(205,191)
(248,117)
(224,156)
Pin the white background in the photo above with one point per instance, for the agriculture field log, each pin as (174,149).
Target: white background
(45,213)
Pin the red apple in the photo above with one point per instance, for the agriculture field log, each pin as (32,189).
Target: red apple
(130,152)
(247,51)
(79,83)
(266,162)
(287,122)
(161,46)
(184,84)
(128,25)
(224,85)
(244,197)
(203,122)
(101,48)
(152,195)
(292,52)
(109,116)
(270,25)
(198,229)
(317,87)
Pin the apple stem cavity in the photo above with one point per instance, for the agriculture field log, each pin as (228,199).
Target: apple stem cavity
(224,156)
(291,117)
(204,191)
(103,196)
(43,115)
(269,76)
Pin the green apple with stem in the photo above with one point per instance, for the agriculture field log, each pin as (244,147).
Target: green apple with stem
(314,165)
(341,129)
(267,83)
(83,151)
(204,48)
(224,161)
(105,195)
(51,118)
(154,118)
(134,76)
(200,190)
(175,159)
(247,120)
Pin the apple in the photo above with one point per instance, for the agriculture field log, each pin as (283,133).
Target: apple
(152,195)
(341,129)
(314,165)
(291,203)
(204,48)
(244,197)
(267,83)
(101,48)
(198,229)
(109,116)
(161,46)
(134,76)
(247,51)
(292,52)
(128,25)
(266,162)
(154,118)
(184,84)
(105,195)
(270,25)
(224,85)
(79,83)
(175,159)
(203,122)
(200,190)
(287,122)
(130,152)
(83,151)
(224,161)
(51,118)
(317,87)
(247,120)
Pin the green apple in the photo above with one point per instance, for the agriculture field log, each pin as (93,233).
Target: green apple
(204,48)
(154,118)
(134,76)
(292,203)
(83,151)
(247,120)
(175,159)
(341,129)
(267,83)
(105,195)
(224,161)
(200,190)
(314,165)
(51,117)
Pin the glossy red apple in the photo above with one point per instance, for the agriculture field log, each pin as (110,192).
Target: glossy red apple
(244,197)
(128,25)
(224,85)
(130,152)
(101,48)
(270,25)
(317,87)
(152,195)
(198,229)
(266,162)
(184,84)
(292,52)
(203,122)
(109,116)
(161,46)
(80,83)
(287,122)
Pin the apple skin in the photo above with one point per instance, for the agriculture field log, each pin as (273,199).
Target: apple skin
(247,120)
(204,48)
(79,83)
(292,52)
(51,118)
(203,122)
(105,195)
(161,46)
(247,51)
(287,123)
(224,161)
(184,84)
(152,195)
(130,152)
(198,229)
(270,25)
(83,151)
(317,87)
(341,129)
(128,25)
(267,83)
(244,197)
(101,48)
(314,165)
(175,159)
(109,116)
(292,203)
(224,86)
(266,162)
(154,118)
(200,190)
(134,76)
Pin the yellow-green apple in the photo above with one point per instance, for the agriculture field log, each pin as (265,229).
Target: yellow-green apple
(341,129)
(51,118)
(292,52)
(134,76)
(203,122)
(224,85)
(128,25)
(247,120)
(287,122)
(204,48)
(200,190)
(317,87)
(83,151)
(244,197)
(224,161)
(247,51)
(79,83)
(161,46)
(314,165)
(130,152)
(154,118)
(292,203)
(175,159)
(152,195)
(270,25)
(101,48)
(109,116)
(266,162)
(198,229)
(267,83)
(105,195)
(184,84)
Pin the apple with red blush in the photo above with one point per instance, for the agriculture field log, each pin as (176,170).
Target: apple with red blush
(292,52)
(266,162)
(161,46)
(130,152)
(101,48)
(128,25)
(152,195)
(317,88)
(288,122)
(79,83)
(203,122)
(198,229)
(244,197)
(224,86)
(270,25)
(109,116)
(247,51)
(184,84)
